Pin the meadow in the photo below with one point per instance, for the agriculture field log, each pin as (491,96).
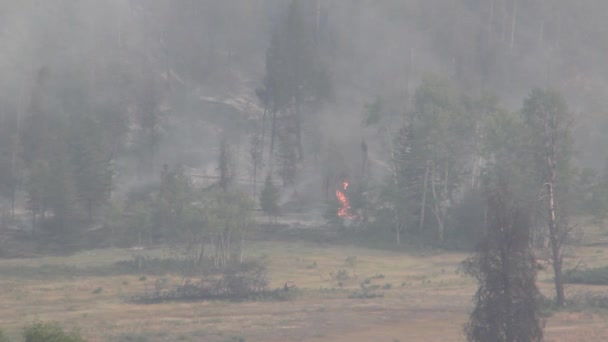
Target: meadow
(343,293)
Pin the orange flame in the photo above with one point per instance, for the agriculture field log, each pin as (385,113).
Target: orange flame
(344,210)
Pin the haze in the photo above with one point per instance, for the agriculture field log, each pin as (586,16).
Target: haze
(303,170)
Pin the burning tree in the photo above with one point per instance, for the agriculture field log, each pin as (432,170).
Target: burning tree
(339,207)
(345,209)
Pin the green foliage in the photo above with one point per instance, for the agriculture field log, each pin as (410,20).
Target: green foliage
(351,261)
(467,224)
(367,291)
(593,276)
(269,198)
(547,117)
(507,306)
(246,280)
(3,337)
(49,332)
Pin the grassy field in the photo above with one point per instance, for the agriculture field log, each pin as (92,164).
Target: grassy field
(424,298)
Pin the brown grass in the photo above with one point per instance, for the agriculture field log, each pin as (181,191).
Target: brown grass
(427,301)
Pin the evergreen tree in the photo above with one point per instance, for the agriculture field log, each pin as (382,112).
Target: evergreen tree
(295,77)
(225,165)
(507,303)
(269,198)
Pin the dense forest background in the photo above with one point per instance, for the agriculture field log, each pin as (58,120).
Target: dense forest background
(159,120)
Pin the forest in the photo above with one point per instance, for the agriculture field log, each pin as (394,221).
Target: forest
(216,129)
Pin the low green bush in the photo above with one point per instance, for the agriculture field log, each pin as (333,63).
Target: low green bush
(592,276)
(3,337)
(49,332)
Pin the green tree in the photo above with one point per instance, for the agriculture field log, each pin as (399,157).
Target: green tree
(9,158)
(443,142)
(225,165)
(227,218)
(92,163)
(507,303)
(269,198)
(295,77)
(546,114)
(256,154)
(174,198)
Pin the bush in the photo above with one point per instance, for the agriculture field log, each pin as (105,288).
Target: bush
(241,280)
(588,300)
(49,332)
(3,337)
(238,281)
(351,261)
(467,221)
(367,292)
(341,275)
(593,276)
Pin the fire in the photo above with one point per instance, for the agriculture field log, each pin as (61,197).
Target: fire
(344,210)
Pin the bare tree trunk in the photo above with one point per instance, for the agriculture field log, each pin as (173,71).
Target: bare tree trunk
(513,21)
(273,133)
(437,206)
(398,233)
(445,181)
(491,19)
(556,243)
(299,130)
(503,26)
(541,34)
(423,204)
(242,246)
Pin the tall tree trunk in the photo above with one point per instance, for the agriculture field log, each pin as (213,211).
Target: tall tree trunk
(242,248)
(445,182)
(491,20)
(13,191)
(398,232)
(423,203)
(513,22)
(299,130)
(273,133)
(264,129)
(255,169)
(508,293)
(556,244)
(437,206)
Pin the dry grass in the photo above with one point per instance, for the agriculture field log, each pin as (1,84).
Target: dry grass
(427,299)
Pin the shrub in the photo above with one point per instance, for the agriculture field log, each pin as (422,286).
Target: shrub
(588,300)
(238,281)
(367,292)
(351,261)
(467,223)
(3,337)
(341,275)
(49,332)
(593,276)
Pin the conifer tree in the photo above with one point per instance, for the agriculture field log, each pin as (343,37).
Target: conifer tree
(269,199)
(507,301)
